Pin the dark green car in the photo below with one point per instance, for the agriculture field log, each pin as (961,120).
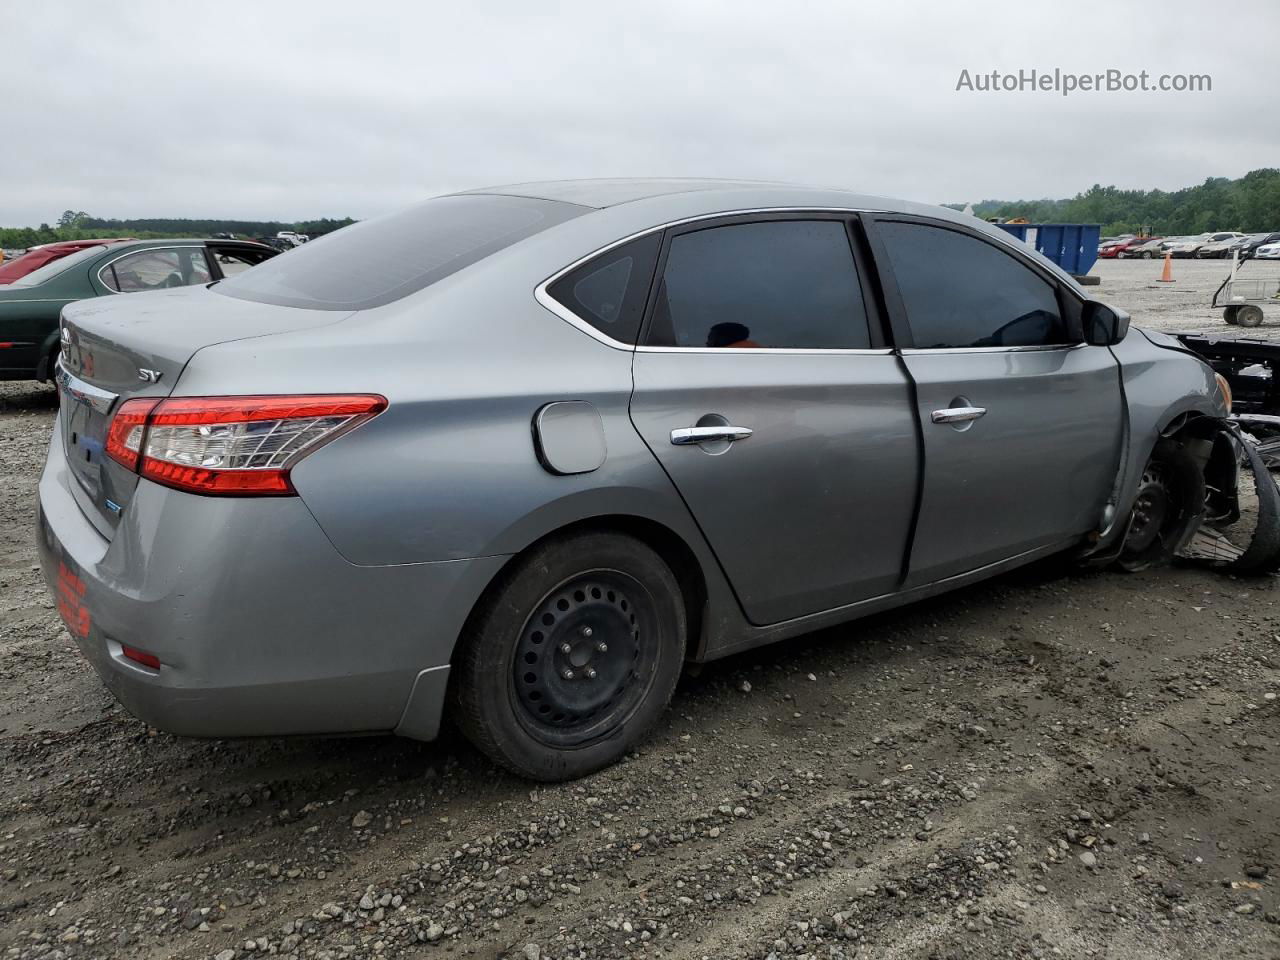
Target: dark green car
(30,306)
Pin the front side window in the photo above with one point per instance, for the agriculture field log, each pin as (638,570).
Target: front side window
(157,270)
(609,291)
(960,291)
(234,260)
(773,284)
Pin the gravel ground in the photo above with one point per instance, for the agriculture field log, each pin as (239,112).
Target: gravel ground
(1050,764)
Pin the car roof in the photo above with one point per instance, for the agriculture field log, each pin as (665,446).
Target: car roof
(712,194)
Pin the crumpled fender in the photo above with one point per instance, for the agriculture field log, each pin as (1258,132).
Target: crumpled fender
(1165,386)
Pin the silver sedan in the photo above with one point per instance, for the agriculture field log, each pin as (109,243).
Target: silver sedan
(514,456)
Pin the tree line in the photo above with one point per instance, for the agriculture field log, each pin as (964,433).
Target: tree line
(78,225)
(1250,204)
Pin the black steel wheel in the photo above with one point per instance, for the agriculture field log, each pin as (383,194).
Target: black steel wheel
(1167,509)
(571,656)
(582,660)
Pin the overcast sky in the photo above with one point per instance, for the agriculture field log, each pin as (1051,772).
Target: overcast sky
(291,110)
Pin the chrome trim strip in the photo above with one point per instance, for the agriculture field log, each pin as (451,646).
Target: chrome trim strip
(926,351)
(773,351)
(86,393)
(568,316)
(135,250)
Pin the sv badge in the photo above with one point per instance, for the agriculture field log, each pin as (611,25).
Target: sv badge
(150,376)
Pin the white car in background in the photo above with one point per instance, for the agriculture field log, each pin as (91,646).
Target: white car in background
(1268,251)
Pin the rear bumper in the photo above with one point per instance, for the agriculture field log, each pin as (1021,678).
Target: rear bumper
(261,626)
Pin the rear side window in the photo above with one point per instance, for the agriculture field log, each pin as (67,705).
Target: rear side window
(774,284)
(156,270)
(378,261)
(609,291)
(960,291)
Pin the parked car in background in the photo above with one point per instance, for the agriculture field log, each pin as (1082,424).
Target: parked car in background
(589,431)
(1255,241)
(29,306)
(1188,246)
(1144,249)
(1119,248)
(1268,251)
(38,256)
(1219,249)
(1105,242)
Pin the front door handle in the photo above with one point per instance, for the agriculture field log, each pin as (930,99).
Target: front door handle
(687,435)
(957,414)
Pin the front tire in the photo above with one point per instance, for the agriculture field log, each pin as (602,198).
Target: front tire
(572,656)
(1167,510)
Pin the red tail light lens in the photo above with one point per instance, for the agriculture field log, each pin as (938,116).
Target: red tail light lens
(235,445)
(124,436)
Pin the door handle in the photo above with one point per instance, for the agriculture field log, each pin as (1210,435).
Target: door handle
(688,435)
(957,414)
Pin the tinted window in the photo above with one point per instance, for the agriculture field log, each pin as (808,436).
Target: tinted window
(156,270)
(609,292)
(772,284)
(377,261)
(963,292)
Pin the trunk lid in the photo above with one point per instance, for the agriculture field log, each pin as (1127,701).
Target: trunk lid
(116,348)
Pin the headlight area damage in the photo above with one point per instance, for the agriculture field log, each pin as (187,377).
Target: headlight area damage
(1208,494)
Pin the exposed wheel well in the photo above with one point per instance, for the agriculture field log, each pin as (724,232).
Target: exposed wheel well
(668,544)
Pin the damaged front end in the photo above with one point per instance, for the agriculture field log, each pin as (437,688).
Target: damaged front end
(1240,526)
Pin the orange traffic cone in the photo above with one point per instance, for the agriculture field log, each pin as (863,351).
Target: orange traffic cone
(1167,277)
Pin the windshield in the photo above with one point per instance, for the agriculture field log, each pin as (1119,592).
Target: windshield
(378,261)
(55,267)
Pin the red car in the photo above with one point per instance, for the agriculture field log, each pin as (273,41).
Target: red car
(1122,247)
(37,257)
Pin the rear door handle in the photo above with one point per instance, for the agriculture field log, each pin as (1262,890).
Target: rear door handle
(687,435)
(957,414)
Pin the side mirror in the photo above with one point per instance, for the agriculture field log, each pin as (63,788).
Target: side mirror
(1104,325)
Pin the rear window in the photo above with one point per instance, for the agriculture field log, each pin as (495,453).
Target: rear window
(55,267)
(378,261)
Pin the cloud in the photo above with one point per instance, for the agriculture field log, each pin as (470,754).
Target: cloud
(293,109)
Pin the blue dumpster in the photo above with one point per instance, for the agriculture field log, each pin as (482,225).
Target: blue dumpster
(1072,246)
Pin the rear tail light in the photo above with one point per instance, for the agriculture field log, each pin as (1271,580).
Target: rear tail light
(231,445)
(124,437)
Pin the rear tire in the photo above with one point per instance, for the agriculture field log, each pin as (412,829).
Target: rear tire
(572,656)
(1146,254)
(1249,316)
(1229,315)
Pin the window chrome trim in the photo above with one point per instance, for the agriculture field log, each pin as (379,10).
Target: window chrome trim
(1033,348)
(775,351)
(568,316)
(135,251)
